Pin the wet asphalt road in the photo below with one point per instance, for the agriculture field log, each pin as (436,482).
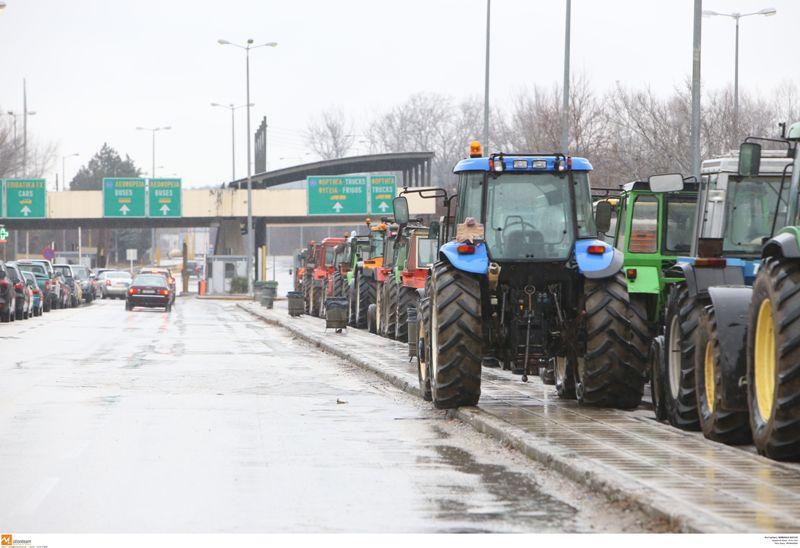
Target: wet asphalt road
(205,420)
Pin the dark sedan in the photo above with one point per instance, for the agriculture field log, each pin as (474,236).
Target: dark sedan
(149,290)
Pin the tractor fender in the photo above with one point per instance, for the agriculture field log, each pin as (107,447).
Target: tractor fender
(782,245)
(731,309)
(597,266)
(475,263)
(646,280)
(699,280)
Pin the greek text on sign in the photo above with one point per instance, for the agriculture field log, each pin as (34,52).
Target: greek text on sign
(124,197)
(25,198)
(165,198)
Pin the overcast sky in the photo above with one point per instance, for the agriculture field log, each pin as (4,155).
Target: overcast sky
(96,69)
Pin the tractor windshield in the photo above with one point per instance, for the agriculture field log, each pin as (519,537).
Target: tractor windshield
(329,256)
(529,215)
(376,244)
(680,223)
(427,249)
(750,210)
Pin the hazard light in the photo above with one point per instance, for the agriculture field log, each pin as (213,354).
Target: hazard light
(596,249)
(475,149)
(466,249)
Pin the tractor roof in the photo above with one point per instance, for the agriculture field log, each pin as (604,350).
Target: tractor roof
(773,162)
(513,163)
(688,186)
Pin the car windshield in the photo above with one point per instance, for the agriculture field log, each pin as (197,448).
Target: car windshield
(680,223)
(426,252)
(150,280)
(528,216)
(750,211)
(81,272)
(64,271)
(33,268)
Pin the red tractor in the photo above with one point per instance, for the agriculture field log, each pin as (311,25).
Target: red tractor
(321,286)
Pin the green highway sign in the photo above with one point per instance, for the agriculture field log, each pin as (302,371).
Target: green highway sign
(2,195)
(25,198)
(383,189)
(164,197)
(337,195)
(3,234)
(123,197)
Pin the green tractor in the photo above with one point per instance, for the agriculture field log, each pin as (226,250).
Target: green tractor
(653,228)
(356,250)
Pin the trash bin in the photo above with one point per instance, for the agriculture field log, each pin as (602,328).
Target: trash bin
(258,290)
(336,314)
(296,306)
(268,291)
(413,331)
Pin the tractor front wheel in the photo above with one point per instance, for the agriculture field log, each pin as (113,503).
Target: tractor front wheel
(424,349)
(407,298)
(612,373)
(683,317)
(365,295)
(338,285)
(456,337)
(773,360)
(317,297)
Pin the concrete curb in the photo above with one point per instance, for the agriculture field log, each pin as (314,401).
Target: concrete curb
(616,488)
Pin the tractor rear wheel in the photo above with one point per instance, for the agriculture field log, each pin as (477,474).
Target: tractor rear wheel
(365,295)
(407,298)
(611,374)
(456,337)
(683,316)
(657,376)
(317,297)
(773,359)
(424,349)
(717,422)
(338,285)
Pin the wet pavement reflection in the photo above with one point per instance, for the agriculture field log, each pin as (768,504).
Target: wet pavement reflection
(205,420)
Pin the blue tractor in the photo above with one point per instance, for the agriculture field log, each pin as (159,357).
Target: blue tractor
(528,285)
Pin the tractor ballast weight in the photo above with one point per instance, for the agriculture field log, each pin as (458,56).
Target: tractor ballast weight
(527,282)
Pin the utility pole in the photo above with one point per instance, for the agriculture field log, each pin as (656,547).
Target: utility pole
(24,128)
(486,79)
(696,50)
(565,103)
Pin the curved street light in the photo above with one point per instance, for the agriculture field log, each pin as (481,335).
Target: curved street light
(767,12)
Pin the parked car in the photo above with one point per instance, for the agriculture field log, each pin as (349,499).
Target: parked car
(43,282)
(54,291)
(114,284)
(164,272)
(149,290)
(37,302)
(73,286)
(84,278)
(22,310)
(8,296)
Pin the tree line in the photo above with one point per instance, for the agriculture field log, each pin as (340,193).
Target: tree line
(626,133)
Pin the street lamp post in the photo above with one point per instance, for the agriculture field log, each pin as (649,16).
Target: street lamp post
(153,131)
(64,170)
(232,108)
(486,79)
(736,16)
(250,235)
(565,91)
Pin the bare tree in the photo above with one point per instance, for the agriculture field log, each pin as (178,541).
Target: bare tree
(41,155)
(330,135)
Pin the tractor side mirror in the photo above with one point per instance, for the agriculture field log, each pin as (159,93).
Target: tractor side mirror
(602,216)
(401,215)
(433,230)
(749,159)
(667,182)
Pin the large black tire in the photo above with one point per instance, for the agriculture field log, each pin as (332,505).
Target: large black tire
(365,296)
(5,316)
(338,284)
(657,376)
(565,369)
(406,297)
(307,294)
(424,349)
(457,342)
(773,387)
(317,298)
(716,422)
(352,302)
(612,373)
(683,316)
(388,308)
(372,320)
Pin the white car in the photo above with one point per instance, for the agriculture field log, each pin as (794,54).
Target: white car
(114,283)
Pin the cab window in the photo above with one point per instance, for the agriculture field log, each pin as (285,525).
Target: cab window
(469,195)
(644,225)
(622,224)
